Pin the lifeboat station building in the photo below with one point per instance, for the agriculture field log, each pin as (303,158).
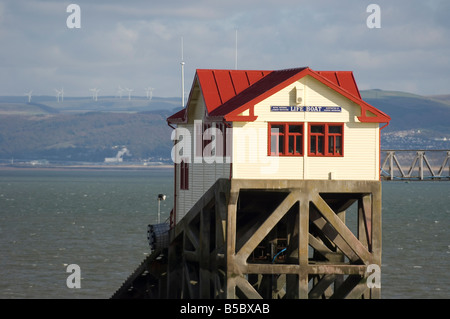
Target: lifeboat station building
(266,165)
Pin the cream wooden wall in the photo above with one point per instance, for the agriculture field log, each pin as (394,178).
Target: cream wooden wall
(361,140)
(202,175)
(250,144)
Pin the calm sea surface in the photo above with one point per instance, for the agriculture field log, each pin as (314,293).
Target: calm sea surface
(98,220)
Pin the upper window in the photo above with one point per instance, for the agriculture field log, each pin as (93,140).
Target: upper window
(219,132)
(285,139)
(326,139)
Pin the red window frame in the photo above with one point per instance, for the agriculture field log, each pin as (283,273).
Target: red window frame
(327,142)
(287,136)
(221,146)
(198,129)
(206,138)
(184,175)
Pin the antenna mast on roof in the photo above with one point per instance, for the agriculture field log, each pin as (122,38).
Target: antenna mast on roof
(236,49)
(182,74)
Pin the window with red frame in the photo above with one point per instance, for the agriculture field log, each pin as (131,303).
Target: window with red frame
(184,175)
(326,139)
(207,136)
(221,140)
(285,139)
(219,134)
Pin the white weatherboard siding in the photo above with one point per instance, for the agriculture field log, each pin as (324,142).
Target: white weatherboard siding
(250,158)
(315,94)
(201,177)
(361,149)
(361,140)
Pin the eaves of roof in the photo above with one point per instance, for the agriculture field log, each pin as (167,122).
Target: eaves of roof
(229,93)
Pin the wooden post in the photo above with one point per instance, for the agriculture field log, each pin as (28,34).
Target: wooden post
(303,244)
(331,236)
(254,239)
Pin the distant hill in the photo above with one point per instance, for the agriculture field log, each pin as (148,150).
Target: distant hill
(80,129)
(416,121)
(442,98)
(90,137)
(50,105)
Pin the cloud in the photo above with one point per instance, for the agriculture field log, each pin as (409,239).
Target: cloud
(138,43)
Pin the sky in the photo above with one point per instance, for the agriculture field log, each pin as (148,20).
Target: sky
(137,44)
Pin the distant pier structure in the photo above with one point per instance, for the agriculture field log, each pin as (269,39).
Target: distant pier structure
(424,165)
(269,166)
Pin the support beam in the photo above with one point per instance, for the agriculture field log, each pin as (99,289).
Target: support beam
(297,250)
(343,230)
(365,221)
(266,227)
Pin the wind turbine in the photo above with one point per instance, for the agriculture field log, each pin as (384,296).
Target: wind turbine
(149,92)
(94,93)
(129,93)
(120,91)
(58,94)
(29,96)
(236,51)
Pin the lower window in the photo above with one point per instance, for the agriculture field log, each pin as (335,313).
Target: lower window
(285,139)
(326,139)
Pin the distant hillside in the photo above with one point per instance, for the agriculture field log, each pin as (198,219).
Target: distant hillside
(416,121)
(442,98)
(50,105)
(91,136)
(80,129)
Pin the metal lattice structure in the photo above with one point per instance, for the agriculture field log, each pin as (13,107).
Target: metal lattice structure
(420,168)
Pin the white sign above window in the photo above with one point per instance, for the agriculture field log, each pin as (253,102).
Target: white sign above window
(295,108)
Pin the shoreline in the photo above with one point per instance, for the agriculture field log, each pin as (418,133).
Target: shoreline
(84,167)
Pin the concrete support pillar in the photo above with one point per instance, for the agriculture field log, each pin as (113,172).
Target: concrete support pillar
(277,239)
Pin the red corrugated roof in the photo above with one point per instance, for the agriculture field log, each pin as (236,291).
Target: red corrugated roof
(219,86)
(343,79)
(228,93)
(254,93)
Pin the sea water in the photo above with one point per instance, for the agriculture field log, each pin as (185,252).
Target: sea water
(97,219)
